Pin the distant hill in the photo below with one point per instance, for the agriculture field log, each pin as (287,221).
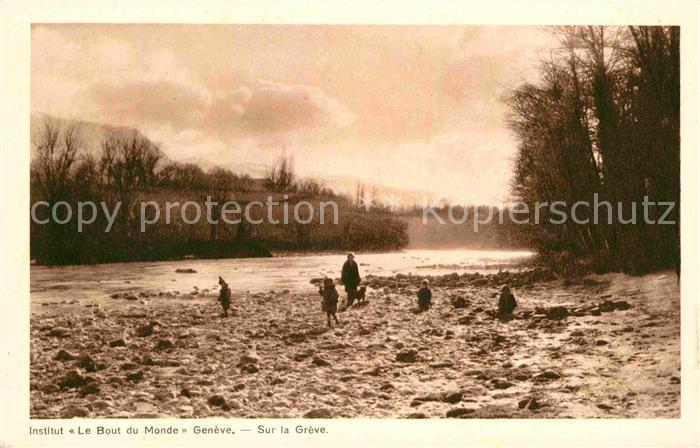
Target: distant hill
(344,185)
(347,185)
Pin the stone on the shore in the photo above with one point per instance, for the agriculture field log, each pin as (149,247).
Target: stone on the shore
(458,412)
(163,395)
(50,389)
(185,392)
(441,364)
(459,302)
(88,389)
(216,400)
(135,377)
(87,363)
(465,320)
(114,380)
(63,355)
(118,343)
(557,313)
(530,403)
(449,396)
(547,375)
(129,366)
(406,356)
(70,380)
(452,396)
(145,330)
(59,332)
(249,368)
(75,411)
(319,413)
(501,383)
(164,345)
(610,305)
(320,362)
(248,358)
(185,271)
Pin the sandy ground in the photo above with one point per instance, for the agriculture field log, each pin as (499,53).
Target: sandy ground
(274,357)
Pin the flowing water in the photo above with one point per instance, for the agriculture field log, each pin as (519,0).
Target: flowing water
(251,275)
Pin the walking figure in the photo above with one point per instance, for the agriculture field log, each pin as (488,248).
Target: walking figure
(330,299)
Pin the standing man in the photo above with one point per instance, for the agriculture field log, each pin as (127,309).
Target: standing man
(350,276)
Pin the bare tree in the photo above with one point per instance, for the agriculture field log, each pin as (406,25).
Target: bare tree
(56,155)
(128,163)
(280,176)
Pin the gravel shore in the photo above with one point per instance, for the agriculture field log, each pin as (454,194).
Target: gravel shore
(606,347)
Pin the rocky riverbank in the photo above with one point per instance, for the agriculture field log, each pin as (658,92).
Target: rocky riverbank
(606,347)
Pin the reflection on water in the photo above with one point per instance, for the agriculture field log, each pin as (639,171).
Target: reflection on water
(96,282)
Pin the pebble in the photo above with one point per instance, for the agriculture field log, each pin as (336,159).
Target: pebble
(319,413)
(164,345)
(406,356)
(71,380)
(458,412)
(320,362)
(216,400)
(63,355)
(501,383)
(135,377)
(531,404)
(75,411)
(88,389)
(59,332)
(163,395)
(118,343)
(87,363)
(547,375)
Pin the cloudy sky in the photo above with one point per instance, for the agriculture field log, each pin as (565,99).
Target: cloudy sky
(415,108)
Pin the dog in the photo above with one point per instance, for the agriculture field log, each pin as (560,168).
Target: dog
(360,296)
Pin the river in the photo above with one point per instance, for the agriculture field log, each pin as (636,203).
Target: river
(94,283)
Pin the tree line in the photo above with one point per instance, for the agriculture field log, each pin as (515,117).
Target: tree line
(130,168)
(603,118)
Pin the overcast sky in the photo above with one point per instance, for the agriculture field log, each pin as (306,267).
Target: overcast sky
(415,108)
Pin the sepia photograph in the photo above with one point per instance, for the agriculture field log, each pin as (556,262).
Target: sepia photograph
(355,221)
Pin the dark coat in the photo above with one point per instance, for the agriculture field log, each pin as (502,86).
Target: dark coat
(330,299)
(506,303)
(425,295)
(350,275)
(225,296)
